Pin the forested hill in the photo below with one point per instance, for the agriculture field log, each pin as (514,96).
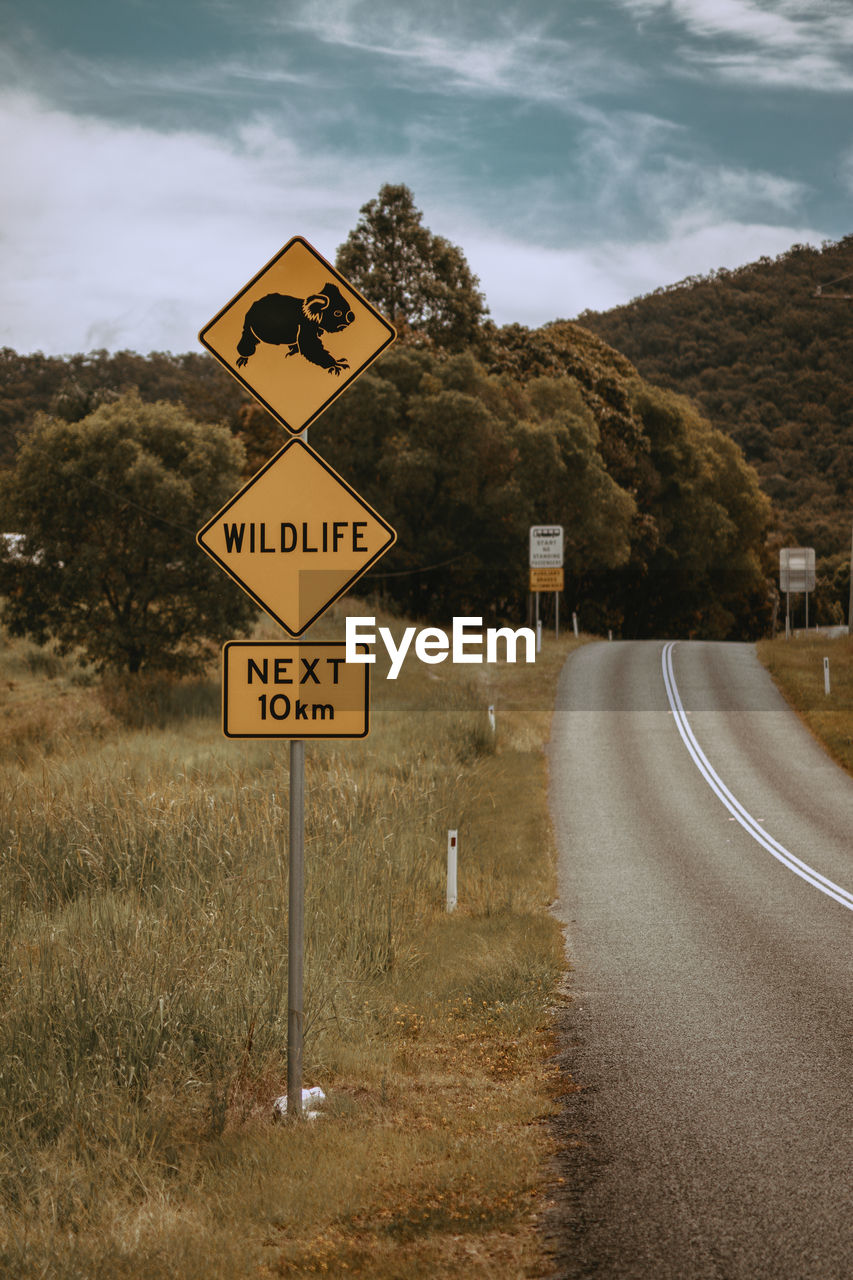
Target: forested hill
(769,360)
(72,386)
(463,451)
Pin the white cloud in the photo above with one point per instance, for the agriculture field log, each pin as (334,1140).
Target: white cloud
(816,71)
(742,18)
(783,43)
(124,237)
(777,24)
(692,195)
(533,285)
(118,236)
(506,54)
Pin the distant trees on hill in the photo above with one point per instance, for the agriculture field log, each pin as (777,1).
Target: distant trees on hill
(419,280)
(664,521)
(70,387)
(462,436)
(109,506)
(770,362)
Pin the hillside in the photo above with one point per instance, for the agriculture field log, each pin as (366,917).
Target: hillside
(461,453)
(72,386)
(769,360)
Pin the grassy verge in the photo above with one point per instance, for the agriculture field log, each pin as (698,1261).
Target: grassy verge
(797,667)
(143,981)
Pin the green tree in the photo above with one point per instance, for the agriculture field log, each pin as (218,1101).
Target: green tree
(704,576)
(108,507)
(420,281)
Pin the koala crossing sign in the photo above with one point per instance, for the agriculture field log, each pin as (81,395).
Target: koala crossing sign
(297,335)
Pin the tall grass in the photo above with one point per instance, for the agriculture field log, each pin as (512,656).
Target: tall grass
(143,978)
(796,666)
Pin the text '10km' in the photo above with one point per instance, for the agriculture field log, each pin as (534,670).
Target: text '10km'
(292,688)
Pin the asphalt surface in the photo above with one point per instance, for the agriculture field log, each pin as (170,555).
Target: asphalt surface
(709,1034)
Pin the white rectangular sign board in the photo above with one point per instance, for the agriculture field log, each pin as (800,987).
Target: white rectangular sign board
(546,546)
(797,569)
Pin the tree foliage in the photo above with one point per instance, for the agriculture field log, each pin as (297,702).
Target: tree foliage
(462,437)
(71,387)
(664,521)
(419,281)
(768,359)
(108,507)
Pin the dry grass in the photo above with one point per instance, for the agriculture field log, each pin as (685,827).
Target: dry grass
(143,980)
(797,668)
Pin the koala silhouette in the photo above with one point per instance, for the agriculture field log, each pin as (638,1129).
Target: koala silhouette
(298,324)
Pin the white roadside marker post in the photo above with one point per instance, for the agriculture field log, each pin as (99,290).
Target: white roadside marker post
(451,870)
(826,676)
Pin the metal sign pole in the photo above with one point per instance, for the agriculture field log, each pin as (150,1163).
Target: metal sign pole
(296,921)
(295,927)
(850,602)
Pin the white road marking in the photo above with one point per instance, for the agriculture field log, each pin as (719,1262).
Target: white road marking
(735,808)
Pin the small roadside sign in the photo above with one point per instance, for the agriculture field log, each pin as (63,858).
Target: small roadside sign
(293,689)
(546,548)
(797,569)
(547,580)
(296,537)
(297,335)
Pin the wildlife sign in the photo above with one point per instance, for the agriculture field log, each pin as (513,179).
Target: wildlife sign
(296,537)
(297,335)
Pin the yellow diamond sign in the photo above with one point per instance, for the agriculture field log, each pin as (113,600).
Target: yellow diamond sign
(296,537)
(297,335)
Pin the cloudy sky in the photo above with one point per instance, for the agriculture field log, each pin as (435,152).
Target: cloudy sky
(156,153)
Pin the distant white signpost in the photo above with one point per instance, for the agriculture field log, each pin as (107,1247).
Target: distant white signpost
(546,565)
(546,546)
(797,574)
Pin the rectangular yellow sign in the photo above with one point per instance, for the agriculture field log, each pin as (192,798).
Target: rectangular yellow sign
(546,579)
(291,689)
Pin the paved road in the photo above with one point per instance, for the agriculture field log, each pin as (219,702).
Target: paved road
(711,1025)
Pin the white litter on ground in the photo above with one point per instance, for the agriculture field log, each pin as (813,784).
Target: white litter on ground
(311,1098)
